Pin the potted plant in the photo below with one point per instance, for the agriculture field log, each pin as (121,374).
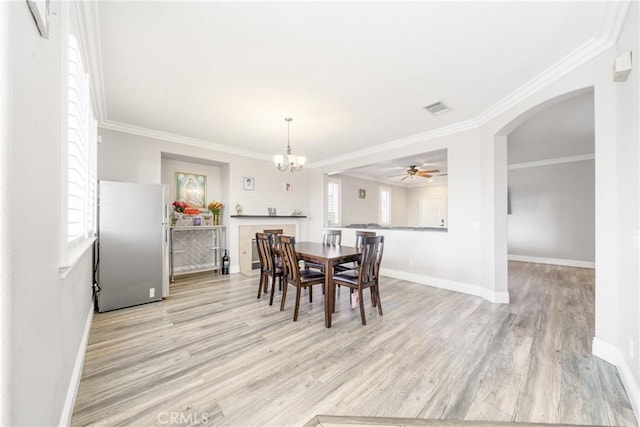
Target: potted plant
(215,208)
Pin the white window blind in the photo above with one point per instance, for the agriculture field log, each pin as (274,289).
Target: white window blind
(333,202)
(81,153)
(385,205)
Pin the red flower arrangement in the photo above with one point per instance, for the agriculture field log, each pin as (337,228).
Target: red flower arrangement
(179,206)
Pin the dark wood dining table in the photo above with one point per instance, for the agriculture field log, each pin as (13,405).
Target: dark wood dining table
(327,255)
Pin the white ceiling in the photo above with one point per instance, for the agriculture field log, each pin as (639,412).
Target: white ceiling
(353,75)
(392,171)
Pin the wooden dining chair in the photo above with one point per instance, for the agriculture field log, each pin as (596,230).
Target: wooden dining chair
(269,268)
(329,237)
(276,232)
(360,234)
(294,276)
(332,237)
(367,274)
(275,239)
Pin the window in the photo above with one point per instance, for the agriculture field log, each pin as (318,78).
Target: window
(385,205)
(81,154)
(333,202)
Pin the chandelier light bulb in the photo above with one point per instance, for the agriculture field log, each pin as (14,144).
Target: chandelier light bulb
(294,163)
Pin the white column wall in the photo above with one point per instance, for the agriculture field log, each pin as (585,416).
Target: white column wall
(45,317)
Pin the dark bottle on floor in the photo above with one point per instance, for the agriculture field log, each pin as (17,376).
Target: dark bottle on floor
(225,263)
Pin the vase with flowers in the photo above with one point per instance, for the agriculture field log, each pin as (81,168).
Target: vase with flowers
(216,209)
(178,208)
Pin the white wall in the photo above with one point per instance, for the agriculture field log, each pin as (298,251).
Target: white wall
(212,173)
(127,157)
(415,196)
(363,211)
(436,257)
(553,212)
(6,266)
(44,326)
(626,217)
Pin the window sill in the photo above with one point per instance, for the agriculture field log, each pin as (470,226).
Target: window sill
(74,257)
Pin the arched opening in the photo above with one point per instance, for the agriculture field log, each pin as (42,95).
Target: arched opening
(501,188)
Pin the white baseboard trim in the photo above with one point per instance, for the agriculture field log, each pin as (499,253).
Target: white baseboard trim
(553,261)
(613,355)
(74,383)
(450,285)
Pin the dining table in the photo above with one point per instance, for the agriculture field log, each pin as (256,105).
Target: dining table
(328,256)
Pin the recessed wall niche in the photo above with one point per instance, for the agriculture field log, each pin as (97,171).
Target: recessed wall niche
(216,173)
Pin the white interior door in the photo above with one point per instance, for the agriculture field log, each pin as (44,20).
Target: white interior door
(433,212)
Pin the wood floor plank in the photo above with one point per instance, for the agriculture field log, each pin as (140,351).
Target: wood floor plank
(213,350)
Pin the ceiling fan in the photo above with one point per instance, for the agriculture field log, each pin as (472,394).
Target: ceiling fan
(413,171)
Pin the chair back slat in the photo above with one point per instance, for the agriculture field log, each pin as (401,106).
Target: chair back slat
(332,237)
(264,244)
(275,236)
(360,235)
(372,248)
(290,258)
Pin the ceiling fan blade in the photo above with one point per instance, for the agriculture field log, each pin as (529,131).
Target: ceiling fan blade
(395,176)
(405,177)
(431,171)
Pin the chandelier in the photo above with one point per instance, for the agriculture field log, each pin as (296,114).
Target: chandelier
(293,163)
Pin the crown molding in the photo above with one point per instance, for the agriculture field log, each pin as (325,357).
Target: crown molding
(579,56)
(612,20)
(610,26)
(607,34)
(179,139)
(553,161)
(399,143)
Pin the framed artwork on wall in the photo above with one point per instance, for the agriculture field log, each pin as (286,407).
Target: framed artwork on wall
(191,188)
(248,183)
(362,193)
(287,187)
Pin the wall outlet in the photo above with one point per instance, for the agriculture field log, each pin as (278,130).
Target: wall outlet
(152,292)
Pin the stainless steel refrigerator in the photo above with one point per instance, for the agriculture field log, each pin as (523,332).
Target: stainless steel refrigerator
(131,263)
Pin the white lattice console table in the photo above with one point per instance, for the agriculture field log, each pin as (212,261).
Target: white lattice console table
(195,249)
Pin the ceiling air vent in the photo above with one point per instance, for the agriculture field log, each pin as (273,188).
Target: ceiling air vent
(437,108)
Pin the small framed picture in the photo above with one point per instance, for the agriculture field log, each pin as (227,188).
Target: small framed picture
(287,187)
(197,220)
(248,183)
(272,211)
(362,193)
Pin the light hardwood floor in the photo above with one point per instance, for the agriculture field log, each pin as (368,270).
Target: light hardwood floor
(213,354)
